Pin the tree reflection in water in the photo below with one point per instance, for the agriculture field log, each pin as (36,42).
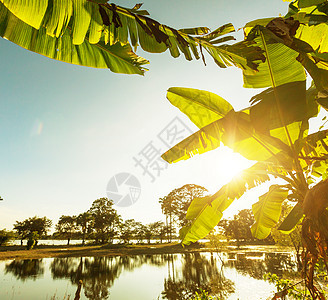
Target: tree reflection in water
(187,273)
(25,269)
(99,273)
(257,266)
(198,272)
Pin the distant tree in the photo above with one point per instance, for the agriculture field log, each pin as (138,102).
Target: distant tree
(32,227)
(6,236)
(105,219)
(129,229)
(22,229)
(66,227)
(153,230)
(239,227)
(84,223)
(163,232)
(175,205)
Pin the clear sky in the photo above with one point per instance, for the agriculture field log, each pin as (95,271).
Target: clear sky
(66,130)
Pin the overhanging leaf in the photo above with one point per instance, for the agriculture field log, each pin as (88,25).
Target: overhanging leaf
(201,107)
(294,106)
(235,131)
(96,21)
(267,211)
(30,12)
(117,58)
(280,67)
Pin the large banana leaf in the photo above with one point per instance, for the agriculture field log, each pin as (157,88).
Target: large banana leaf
(101,23)
(206,212)
(117,58)
(267,211)
(201,107)
(280,66)
(255,133)
(29,11)
(235,131)
(296,104)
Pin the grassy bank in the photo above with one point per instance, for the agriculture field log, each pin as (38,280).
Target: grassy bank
(43,251)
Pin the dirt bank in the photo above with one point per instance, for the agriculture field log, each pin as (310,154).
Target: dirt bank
(42,251)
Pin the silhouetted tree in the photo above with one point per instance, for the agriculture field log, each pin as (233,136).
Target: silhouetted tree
(104,219)
(84,222)
(66,227)
(6,236)
(175,205)
(239,227)
(35,225)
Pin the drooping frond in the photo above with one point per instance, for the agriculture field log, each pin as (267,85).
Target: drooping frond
(100,25)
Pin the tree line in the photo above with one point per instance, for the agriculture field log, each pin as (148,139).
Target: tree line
(102,223)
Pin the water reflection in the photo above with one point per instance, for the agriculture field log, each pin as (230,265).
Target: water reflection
(25,269)
(198,272)
(257,264)
(186,273)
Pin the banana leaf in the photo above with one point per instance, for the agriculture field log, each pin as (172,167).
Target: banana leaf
(206,212)
(106,24)
(267,211)
(201,107)
(280,66)
(118,58)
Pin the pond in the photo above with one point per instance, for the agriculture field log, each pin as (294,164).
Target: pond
(141,277)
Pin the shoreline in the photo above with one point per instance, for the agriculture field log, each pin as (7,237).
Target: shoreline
(50,251)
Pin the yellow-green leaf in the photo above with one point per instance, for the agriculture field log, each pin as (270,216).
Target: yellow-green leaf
(267,211)
(200,106)
(280,66)
(29,11)
(117,58)
(206,212)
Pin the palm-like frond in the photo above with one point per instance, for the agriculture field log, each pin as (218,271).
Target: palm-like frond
(117,57)
(103,24)
(267,211)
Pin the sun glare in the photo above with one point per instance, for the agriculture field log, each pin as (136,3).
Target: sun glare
(231,164)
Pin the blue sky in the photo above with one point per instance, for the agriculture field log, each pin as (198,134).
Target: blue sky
(66,130)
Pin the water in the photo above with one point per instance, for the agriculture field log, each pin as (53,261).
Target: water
(141,277)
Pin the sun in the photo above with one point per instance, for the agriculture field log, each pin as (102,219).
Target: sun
(226,164)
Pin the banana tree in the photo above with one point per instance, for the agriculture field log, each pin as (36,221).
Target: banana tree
(98,34)
(273,132)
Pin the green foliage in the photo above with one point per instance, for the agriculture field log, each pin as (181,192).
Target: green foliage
(177,202)
(239,227)
(6,236)
(32,226)
(286,288)
(267,211)
(66,226)
(203,295)
(273,131)
(97,34)
(84,223)
(105,219)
